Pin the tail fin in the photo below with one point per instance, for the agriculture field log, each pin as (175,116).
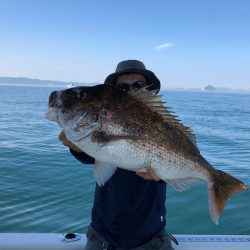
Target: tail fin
(223,186)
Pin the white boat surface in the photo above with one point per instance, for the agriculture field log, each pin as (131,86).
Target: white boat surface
(53,241)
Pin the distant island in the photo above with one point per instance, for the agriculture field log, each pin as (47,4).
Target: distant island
(209,88)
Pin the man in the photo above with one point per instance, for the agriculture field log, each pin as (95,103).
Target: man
(129,210)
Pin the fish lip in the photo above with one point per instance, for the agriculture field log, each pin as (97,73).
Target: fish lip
(55,106)
(59,106)
(51,114)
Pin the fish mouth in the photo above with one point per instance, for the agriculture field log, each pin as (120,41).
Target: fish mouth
(55,100)
(54,104)
(51,114)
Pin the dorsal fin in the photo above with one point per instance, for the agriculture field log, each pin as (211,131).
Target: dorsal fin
(152,100)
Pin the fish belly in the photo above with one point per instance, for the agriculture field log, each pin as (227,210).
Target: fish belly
(136,156)
(121,153)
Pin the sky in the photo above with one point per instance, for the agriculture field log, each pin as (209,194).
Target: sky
(186,43)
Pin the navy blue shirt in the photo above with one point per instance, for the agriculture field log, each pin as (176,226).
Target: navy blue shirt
(128,211)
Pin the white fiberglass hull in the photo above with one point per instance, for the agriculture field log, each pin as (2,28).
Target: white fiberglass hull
(44,241)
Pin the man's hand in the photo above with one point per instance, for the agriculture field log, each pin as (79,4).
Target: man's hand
(149,175)
(62,137)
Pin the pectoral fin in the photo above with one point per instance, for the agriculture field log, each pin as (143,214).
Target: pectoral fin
(103,172)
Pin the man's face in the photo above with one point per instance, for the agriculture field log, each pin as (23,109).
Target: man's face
(129,82)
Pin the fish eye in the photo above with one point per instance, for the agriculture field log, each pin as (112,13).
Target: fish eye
(81,96)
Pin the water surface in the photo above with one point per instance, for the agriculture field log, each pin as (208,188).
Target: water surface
(44,189)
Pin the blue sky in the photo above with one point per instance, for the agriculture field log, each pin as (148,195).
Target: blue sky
(199,42)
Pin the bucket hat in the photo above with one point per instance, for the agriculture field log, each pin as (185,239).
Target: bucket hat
(137,67)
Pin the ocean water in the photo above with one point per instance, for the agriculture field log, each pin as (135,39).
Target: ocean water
(44,189)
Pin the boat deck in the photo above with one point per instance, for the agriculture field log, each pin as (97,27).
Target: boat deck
(44,241)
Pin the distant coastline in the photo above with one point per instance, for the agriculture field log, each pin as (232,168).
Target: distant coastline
(25,81)
(216,90)
(30,81)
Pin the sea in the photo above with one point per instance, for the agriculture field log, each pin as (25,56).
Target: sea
(43,188)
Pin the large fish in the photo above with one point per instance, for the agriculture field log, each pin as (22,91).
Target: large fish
(135,131)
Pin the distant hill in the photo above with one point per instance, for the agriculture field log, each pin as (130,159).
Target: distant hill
(30,81)
(209,87)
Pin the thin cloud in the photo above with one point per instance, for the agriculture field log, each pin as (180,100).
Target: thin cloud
(164,46)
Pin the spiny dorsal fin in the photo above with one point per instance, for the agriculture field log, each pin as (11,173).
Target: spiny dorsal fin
(151,99)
